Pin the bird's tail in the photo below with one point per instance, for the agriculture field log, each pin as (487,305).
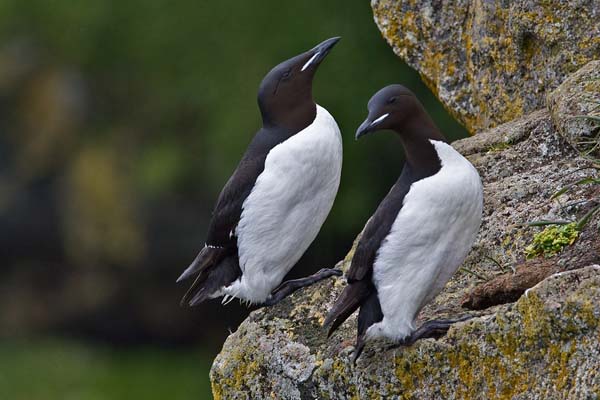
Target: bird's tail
(370,313)
(351,298)
(211,280)
(208,256)
(214,267)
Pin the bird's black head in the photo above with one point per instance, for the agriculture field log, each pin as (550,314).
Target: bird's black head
(397,108)
(285,94)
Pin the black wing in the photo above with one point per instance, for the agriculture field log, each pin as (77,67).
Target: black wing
(360,291)
(228,209)
(377,228)
(221,242)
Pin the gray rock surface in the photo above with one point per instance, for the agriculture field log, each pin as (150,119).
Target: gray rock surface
(545,346)
(576,97)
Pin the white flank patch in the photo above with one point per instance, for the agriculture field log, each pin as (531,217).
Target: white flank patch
(309,61)
(428,241)
(287,206)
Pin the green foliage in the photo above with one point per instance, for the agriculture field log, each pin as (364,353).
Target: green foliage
(552,240)
(593,179)
(61,370)
(584,181)
(591,144)
(502,268)
(475,274)
(560,233)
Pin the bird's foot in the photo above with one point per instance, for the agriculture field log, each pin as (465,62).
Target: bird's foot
(435,328)
(289,287)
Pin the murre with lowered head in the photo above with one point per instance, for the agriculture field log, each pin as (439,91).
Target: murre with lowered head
(420,233)
(274,204)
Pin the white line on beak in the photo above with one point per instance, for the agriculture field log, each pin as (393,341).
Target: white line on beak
(309,61)
(384,116)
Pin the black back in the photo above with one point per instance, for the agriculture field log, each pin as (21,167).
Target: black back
(379,226)
(287,107)
(228,209)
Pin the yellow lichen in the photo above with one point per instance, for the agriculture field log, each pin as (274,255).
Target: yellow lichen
(502,53)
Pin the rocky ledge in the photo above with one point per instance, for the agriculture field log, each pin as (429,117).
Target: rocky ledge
(535,331)
(544,345)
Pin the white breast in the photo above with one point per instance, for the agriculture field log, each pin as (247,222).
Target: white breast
(287,206)
(428,241)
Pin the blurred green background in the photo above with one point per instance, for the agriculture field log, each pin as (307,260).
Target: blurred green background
(119,123)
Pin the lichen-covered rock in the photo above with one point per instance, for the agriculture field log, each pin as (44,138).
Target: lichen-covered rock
(544,346)
(575,99)
(490,62)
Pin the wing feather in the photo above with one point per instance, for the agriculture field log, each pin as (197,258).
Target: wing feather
(217,263)
(359,276)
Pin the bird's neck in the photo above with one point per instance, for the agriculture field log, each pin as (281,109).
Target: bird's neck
(292,120)
(420,153)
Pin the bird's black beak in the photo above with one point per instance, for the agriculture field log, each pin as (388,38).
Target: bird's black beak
(369,125)
(318,53)
(364,128)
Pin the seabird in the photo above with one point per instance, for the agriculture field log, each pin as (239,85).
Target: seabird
(274,204)
(420,233)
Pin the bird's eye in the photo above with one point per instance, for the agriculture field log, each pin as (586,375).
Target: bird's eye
(286,74)
(392,100)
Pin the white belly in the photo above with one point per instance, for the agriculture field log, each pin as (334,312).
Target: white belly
(428,241)
(287,206)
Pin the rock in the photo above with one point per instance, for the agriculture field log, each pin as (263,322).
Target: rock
(283,352)
(578,96)
(547,345)
(490,62)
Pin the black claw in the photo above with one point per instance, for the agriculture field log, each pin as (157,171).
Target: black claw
(289,287)
(431,329)
(360,346)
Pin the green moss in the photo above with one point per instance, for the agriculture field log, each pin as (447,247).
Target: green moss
(245,368)
(404,373)
(586,313)
(496,147)
(535,324)
(552,240)
(560,367)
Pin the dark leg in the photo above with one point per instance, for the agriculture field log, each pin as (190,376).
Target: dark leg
(435,328)
(289,287)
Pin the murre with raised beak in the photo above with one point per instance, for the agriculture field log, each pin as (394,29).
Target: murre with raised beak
(274,204)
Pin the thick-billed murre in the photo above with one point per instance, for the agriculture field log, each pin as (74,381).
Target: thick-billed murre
(420,233)
(274,204)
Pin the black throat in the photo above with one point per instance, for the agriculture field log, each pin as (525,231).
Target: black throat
(292,121)
(420,153)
